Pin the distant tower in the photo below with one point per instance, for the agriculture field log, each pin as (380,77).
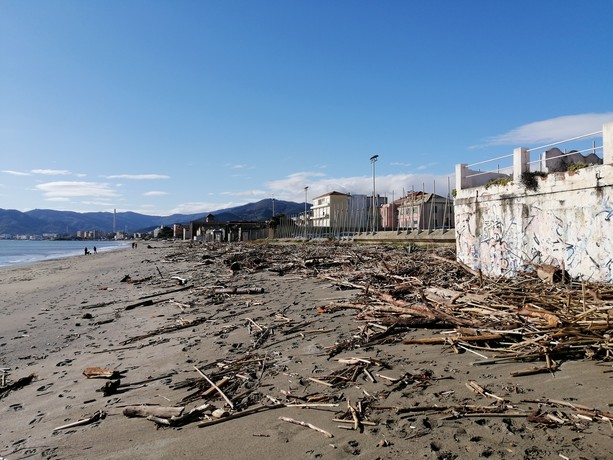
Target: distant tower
(114,219)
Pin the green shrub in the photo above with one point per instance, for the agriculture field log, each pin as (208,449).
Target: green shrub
(530,181)
(499,181)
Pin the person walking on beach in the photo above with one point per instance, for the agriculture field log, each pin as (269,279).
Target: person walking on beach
(95,251)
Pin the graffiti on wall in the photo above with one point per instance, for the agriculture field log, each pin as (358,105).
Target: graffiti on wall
(503,240)
(498,244)
(556,229)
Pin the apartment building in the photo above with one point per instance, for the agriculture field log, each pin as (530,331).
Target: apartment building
(423,211)
(330,210)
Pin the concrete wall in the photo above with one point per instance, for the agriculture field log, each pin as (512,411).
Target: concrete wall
(432,238)
(567,222)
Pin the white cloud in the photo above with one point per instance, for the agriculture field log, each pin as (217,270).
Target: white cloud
(67,189)
(154,193)
(137,176)
(294,182)
(15,173)
(198,207)
(393,185)
(97,203)
(552,130)
(51,172)
(246,193)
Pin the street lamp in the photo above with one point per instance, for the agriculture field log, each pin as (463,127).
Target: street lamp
(305,210)
(373,160)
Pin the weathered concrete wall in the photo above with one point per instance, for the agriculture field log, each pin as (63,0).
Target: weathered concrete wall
(567,221)
(434,237)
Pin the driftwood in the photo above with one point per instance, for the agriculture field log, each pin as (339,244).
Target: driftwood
(183,419)
(223,395)
(235,290)
(500,320)
(98,305)
(144,303)
(171,291)
(422,310)
(244,413)
(166,329)
(308,425)
(156,411)
(100,373)
(462,338)
(86,421)
(213,388)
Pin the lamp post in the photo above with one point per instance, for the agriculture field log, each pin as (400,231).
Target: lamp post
(305,211)
(373,160)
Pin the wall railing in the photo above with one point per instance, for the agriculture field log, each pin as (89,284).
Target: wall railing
(534,159)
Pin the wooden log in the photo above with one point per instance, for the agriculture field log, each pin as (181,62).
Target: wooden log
(213,389)
(223,395)
(159,420)
(100,373)
(403,307)
(156,411)
(166,329)
(144,303)
(171,291)
(462,338)
(552,320)
(183,419)
(255,290)
(532,371)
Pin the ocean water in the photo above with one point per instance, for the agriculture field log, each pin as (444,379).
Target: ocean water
(25,252)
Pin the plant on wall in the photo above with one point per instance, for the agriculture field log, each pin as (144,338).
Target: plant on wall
(530,181)
(499,181)
(576,166)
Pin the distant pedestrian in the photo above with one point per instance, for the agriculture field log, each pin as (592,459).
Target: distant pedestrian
(86,251)
(95,251)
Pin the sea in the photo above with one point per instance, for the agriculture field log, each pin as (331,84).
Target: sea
(26,252)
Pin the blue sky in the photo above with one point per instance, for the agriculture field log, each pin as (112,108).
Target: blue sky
(166,107)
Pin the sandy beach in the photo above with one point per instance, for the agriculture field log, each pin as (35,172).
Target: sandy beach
(277,337)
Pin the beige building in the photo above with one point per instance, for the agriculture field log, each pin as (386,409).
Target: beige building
(330,210)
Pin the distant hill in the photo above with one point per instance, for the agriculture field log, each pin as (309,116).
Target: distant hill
(39,221)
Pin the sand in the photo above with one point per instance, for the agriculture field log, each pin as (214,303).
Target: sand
(61,317)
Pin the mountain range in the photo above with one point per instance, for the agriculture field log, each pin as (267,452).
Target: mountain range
(39,221)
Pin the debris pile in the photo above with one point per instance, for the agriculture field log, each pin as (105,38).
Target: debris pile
(347,362)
